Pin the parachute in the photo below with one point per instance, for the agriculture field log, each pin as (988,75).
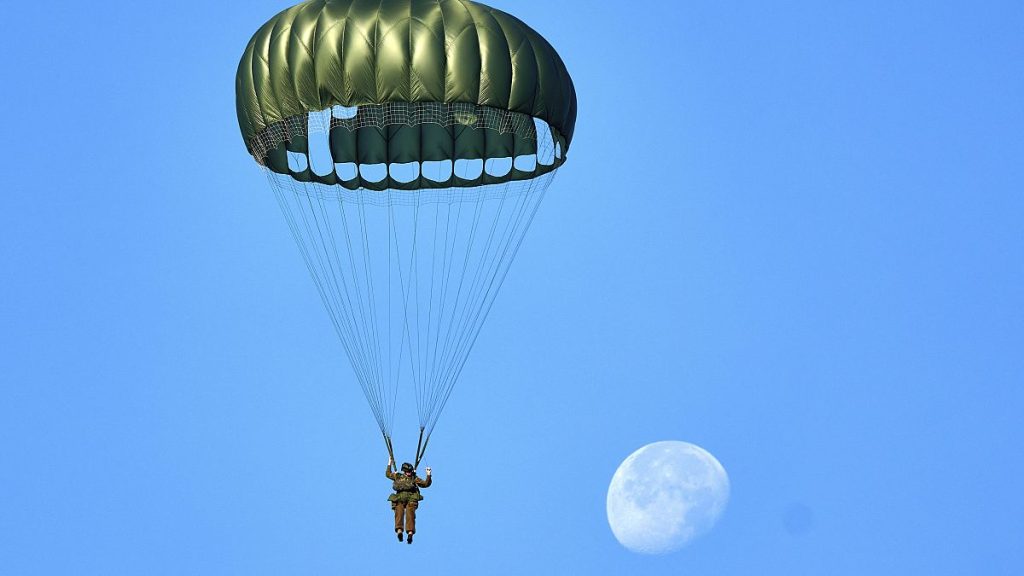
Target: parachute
(409,144)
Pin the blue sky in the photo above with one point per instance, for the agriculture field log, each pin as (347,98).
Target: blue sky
(787,232)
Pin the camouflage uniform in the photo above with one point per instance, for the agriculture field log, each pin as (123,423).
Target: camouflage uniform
(406,498)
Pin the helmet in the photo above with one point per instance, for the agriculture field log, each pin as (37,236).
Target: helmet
(406,467)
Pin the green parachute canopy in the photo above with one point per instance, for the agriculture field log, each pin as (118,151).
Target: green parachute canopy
(432,80)
(409,144)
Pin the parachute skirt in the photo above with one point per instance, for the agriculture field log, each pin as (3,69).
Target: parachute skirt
(406,145)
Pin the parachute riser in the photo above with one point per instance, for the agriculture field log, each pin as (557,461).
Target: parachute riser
(391,453)
(421,448)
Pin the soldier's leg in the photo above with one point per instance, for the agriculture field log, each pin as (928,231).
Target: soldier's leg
(410,517)
(399,515)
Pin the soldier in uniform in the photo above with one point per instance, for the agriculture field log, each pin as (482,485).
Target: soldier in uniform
(406,498)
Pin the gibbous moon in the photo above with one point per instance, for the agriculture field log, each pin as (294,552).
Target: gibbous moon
(664,495)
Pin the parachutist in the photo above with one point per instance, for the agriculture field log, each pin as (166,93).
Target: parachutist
(406,498)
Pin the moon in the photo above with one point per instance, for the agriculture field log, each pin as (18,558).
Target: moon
(664,495)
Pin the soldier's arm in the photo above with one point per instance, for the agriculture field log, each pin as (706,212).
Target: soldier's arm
(389,473)
(424,483)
